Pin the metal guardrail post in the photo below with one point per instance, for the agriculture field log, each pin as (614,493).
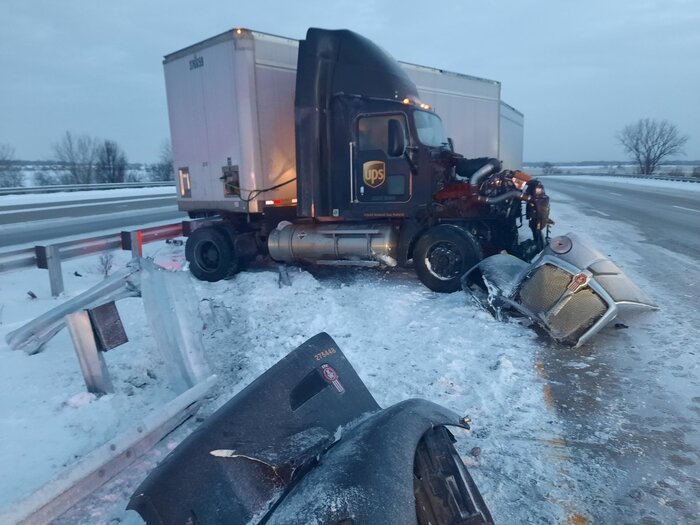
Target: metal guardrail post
(49,258)
(92,362)
(133,240)
(136,244)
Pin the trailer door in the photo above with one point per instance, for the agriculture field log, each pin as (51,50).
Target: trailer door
(380,176)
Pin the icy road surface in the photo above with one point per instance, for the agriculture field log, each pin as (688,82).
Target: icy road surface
(608,433)
(49,217)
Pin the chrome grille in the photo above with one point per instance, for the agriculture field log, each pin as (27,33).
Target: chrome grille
(580,311)
(543,288)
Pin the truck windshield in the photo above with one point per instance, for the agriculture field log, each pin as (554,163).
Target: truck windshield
(429,127)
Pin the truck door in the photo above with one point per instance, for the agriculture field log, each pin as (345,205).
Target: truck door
(381,172)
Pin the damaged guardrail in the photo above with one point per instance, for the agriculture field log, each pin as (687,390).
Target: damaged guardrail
(168,302)
(91,472)
(167,297)
(34,335)
(49,257)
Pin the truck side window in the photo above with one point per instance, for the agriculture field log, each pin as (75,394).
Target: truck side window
(373,132)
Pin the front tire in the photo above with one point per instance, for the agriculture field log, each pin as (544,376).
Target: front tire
(443,254)
(444,490)
(211,255)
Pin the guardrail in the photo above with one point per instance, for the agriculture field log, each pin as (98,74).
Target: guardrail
(53,188)
(49,257)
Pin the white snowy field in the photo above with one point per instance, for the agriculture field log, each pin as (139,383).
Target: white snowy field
(404,341)
(689,186)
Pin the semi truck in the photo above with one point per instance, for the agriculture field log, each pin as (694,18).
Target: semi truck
(324,151)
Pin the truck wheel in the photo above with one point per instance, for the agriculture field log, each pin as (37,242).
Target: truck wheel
(443,254)
(444,490)
(211,255)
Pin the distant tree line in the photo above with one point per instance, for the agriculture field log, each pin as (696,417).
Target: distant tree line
(83,159)
(10,174)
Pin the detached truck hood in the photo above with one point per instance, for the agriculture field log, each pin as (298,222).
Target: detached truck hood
(304,443)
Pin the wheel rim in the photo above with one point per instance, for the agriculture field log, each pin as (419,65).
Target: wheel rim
(445,261)
(208,256)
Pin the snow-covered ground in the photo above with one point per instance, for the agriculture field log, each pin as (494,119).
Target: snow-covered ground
(615,169)
(404,341)
(635,181)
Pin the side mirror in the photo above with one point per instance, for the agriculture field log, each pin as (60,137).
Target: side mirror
(396,144)
(451,144)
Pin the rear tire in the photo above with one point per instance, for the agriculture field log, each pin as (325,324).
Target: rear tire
(211,255)
(443,254)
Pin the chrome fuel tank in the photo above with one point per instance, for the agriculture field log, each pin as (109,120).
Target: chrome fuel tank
(362,244)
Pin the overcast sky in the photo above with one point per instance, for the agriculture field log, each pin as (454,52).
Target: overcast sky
(579,71)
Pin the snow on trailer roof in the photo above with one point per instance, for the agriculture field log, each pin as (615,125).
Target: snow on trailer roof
(231,34)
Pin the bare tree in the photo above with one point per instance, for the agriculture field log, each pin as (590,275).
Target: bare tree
(111,163)
(648,141)
(10,174)
(550,169)
(77,155)
(43,178)
(163,169)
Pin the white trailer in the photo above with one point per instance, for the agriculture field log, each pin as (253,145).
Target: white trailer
(231,109)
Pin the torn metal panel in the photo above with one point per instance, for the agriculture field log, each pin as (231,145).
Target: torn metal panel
(172,310)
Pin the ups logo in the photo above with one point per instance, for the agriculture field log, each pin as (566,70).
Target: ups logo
(374,173)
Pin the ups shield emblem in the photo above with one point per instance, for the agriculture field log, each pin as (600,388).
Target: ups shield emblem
(374,173)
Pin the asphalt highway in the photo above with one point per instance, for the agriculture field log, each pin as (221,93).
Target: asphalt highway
(630,399)
(666,217)
(32,224)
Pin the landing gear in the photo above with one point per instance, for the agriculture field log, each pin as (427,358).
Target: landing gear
(443,254)
(211,254)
